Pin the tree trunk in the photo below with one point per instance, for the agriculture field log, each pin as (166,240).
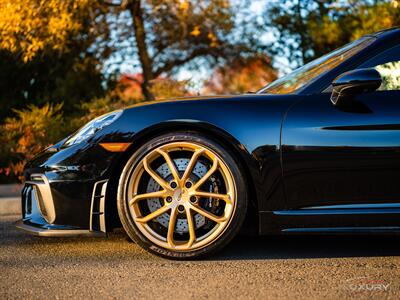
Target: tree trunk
(140,36)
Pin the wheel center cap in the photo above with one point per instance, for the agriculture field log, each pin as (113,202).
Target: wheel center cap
(178,194)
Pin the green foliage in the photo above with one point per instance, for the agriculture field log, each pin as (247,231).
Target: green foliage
(168,88)
(72,80)
(311,28)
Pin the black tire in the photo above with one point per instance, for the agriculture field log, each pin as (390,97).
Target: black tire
(236,220)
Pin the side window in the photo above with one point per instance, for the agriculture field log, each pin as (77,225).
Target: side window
(390,73)
(387,64)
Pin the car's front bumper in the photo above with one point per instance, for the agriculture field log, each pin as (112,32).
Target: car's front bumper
(39,213)
(65,192)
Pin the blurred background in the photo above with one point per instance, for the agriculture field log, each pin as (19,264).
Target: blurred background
(63,63)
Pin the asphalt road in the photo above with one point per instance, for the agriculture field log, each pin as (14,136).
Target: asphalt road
(263,268)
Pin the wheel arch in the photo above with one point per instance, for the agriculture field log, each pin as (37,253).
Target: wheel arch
(219,135)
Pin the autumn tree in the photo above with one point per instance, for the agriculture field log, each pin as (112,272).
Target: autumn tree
(306,29)
(168,34)
(241,76)
(56,50)
(51,51)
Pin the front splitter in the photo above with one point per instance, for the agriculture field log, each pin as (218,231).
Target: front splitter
(57,232)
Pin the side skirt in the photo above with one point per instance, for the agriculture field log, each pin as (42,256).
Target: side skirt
(331,221)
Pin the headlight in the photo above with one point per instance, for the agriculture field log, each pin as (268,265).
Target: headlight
(92,127)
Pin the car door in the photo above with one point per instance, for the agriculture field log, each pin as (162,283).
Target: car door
(347,159)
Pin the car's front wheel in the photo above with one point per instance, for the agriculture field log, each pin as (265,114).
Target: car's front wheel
(182,195)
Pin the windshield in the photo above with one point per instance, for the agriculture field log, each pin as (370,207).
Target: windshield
(311,71)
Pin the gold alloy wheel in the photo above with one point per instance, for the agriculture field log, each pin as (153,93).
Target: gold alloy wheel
(196,201)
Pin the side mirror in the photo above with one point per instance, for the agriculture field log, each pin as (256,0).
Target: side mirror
(354,82)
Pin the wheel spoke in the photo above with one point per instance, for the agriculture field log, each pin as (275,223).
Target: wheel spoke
(153,215)
(207,175)
(208,215)
(191,164)
(139,197)
(170,164)
(154,175)
(192,233)
(224,197)
(171,227)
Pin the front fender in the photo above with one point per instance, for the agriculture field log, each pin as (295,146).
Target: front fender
(251,125)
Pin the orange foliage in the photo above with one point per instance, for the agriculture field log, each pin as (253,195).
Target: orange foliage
(28,133)
(241,76)
(129,87)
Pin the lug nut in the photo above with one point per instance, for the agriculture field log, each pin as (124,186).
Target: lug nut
(188,184)
(169,199)
(181,208)
(193,199)
(173,184)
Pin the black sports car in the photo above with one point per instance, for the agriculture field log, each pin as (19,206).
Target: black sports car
(317,151)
